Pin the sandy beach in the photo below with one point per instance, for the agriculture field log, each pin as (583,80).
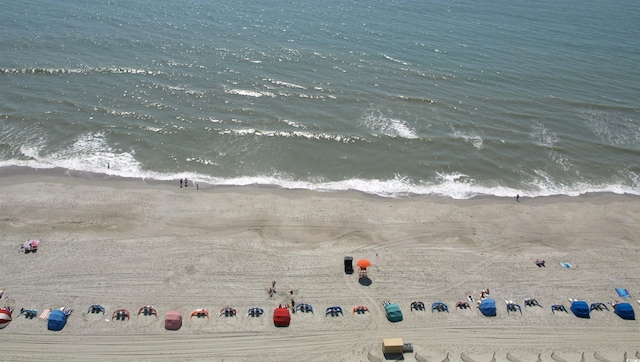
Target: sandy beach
(128,243)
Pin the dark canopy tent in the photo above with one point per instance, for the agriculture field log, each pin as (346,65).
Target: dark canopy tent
(57,320)
(580,309)
(348,264)
(488,308)
(625,311)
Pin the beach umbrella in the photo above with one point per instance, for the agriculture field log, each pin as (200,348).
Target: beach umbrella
(625,311)
(57,320)
(5,317)
(363,263)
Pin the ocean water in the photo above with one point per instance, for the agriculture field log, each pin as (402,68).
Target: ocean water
(395,98)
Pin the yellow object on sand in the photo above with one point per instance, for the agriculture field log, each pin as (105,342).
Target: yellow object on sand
(392,345)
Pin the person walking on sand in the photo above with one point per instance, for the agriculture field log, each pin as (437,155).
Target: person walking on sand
(186,183)
(180,183)
(518,197)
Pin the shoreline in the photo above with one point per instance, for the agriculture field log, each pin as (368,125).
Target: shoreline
(17,174)
(126,244)
(29,172)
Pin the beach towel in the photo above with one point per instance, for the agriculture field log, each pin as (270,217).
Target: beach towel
(45,314)
(565,264)
(623,292)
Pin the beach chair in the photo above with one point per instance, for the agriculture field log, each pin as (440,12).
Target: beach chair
(334,311)
(417,306)
(440,307)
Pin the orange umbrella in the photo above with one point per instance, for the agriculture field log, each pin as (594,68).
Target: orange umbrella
(363,263)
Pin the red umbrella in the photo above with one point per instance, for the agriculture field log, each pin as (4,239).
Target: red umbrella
(363,263)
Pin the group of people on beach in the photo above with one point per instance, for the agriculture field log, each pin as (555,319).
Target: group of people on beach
(185,182)
(484,294)
(291,305)
(272,291)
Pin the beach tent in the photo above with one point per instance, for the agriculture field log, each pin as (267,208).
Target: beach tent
(5,317)
(625,311)
(580,309)
(57,320)
(281,317)
(488,307)
(173,320)
(394,314)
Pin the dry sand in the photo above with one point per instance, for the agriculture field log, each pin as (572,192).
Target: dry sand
(127,243)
